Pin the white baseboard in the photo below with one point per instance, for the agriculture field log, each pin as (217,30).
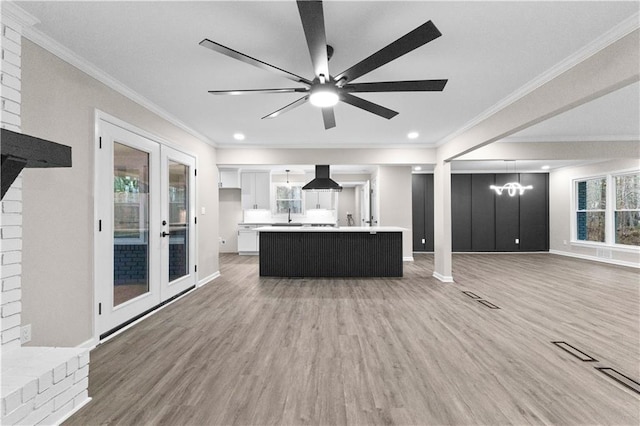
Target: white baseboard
(407,259)
(208,279)
(443,278)
(595,258)
(89,344)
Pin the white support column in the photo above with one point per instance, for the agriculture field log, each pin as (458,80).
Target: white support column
(442,221)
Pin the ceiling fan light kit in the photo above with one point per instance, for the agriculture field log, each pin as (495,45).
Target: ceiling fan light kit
(325,91)
(324,96)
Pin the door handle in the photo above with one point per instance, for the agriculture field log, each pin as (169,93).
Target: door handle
(165,234)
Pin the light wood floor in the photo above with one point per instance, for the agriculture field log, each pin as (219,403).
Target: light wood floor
(250,351)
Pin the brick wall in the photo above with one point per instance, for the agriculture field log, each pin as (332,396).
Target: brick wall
(38,385)
(11,219)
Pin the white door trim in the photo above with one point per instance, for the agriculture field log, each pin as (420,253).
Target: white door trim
(103,117)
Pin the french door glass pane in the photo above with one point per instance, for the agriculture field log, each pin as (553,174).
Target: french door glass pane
(130,223)
(178,220)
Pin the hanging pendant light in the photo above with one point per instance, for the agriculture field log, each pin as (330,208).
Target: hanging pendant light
(512,188)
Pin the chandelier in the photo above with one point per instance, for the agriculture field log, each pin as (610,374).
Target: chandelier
(512,188)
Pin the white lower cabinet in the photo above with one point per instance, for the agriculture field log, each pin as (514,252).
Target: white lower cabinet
(248,240)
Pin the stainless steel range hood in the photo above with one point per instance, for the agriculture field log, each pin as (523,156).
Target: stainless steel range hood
(322,182)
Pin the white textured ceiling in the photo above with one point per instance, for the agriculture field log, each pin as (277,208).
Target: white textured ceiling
(488,51)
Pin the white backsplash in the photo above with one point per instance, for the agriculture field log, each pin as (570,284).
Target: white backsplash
(258,216)
(320,216)
(311,216)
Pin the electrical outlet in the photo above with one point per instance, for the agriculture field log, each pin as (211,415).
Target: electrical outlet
(25,333)
(517,240)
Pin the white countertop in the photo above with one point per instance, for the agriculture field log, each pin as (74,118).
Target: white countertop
(304,223)
(370,229)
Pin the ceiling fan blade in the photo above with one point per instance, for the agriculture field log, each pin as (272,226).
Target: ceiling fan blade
(405,44)
(217,47)
(329,118)
(258,91)
(286,108)
(368,106)
(312,18)
(397,86)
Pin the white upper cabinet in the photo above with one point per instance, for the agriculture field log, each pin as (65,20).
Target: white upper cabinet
(319,200)
(229,178)
(256,190)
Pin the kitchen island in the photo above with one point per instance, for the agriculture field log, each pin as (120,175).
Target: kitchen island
(355,251)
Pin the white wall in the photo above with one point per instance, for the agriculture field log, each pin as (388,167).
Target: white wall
(58,103)
(346,204)
(394,193)
(230,212)
(561,212)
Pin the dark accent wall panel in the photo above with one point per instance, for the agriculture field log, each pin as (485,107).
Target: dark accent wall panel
(461,212)
(418,192)
(483,235)
(507,215)
(422,210)
(534,212)
(330,254)
(428,212)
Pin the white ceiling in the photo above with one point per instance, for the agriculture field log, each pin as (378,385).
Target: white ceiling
(488,51)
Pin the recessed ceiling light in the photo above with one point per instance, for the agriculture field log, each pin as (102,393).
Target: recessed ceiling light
(238,136)
(417,168)
(413,135)
(545,167)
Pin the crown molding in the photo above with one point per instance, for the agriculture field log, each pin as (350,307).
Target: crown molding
(62,52)
(624,28)
(19,16)
(560,139)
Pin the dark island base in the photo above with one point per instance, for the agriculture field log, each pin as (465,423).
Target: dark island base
(330,254)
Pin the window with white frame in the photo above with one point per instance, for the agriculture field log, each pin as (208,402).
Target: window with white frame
(627,209)
(607,209)
(591,198)
(288,198)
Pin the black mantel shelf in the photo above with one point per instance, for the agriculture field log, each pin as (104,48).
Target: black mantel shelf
(20,151)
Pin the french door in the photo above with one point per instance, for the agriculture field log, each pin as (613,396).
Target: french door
(145,241)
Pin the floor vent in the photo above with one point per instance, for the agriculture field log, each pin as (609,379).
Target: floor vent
(488,304)
(620,378)
(575,352)
(471,295)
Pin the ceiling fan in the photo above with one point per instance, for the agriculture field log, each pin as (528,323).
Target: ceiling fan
(325,90)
